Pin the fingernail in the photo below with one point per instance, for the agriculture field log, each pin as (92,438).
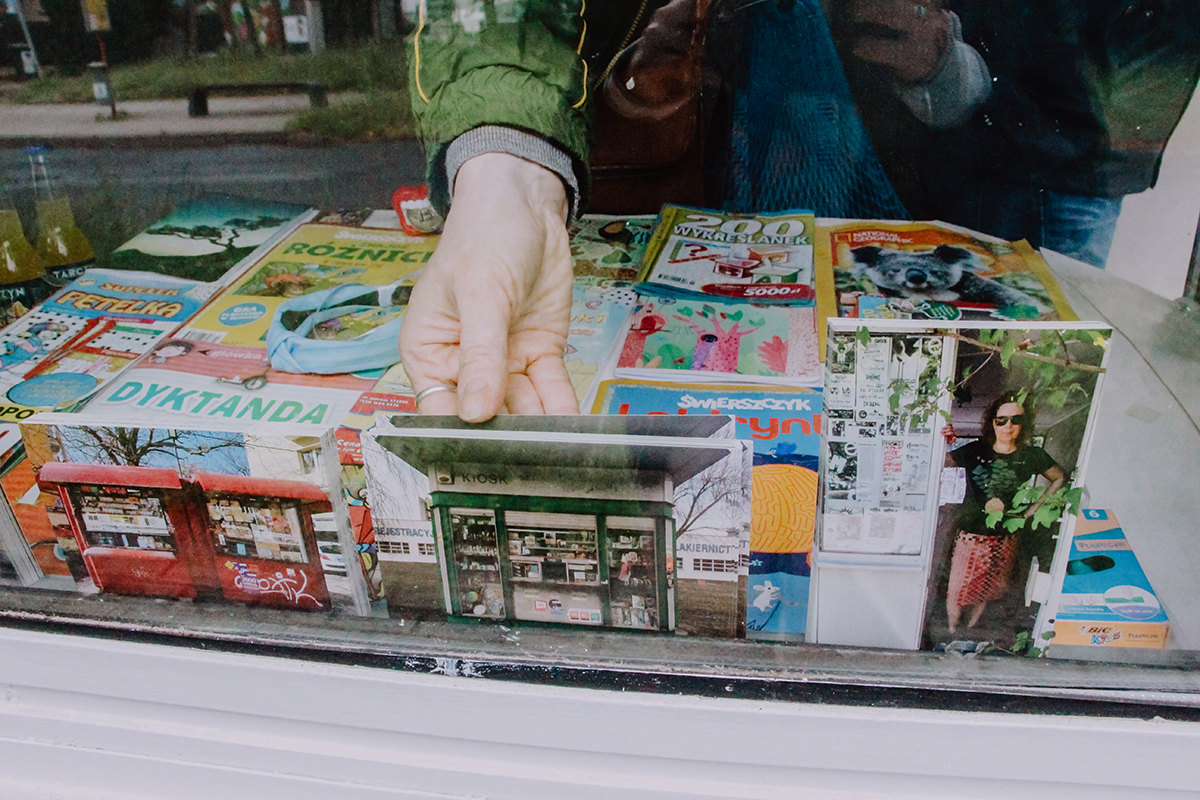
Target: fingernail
(472,402)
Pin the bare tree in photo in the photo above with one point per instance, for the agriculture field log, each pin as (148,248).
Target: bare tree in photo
(135,447)
(722,491)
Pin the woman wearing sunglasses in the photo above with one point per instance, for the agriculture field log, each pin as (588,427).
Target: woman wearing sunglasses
(998,465)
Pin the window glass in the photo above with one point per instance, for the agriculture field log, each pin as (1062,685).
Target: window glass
(979,474)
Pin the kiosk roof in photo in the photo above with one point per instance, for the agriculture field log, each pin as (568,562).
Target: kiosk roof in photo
(56,472)
(265,487)
(693,426)
(678,457)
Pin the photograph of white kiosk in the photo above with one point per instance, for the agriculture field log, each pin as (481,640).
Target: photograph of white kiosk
(561,519)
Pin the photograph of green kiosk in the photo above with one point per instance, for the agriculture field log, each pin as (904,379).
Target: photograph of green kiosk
(561,520)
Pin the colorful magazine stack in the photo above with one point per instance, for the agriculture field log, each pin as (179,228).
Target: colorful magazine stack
(727,484)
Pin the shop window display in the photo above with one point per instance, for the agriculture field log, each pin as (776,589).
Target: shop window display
(555,573)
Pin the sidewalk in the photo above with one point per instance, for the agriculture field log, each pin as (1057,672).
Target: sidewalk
(163,123)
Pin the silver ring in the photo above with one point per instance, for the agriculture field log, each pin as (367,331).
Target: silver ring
(437,387)
(920,11)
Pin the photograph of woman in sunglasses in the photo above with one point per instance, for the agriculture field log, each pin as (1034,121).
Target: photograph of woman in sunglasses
(998,465)
(1018,427)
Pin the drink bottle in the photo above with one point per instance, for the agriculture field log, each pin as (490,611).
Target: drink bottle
(63,247)
(22,273)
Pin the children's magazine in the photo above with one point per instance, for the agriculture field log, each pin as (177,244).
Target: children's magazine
(673,338)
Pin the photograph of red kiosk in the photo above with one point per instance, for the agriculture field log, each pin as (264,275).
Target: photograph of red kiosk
(134,528)
(184,532)
(262,542)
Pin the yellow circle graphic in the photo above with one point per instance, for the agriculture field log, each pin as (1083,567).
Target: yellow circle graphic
(783,508)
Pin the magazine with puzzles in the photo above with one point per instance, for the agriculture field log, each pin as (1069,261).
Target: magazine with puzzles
(752,258)
(784,427)
(84,334)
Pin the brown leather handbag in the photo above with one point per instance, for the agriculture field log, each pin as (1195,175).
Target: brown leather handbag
(644,155)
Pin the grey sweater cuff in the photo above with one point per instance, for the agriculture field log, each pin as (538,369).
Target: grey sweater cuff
(501,139)
(955,91)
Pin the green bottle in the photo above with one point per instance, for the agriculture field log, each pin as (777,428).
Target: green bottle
(22,273)
(63,247)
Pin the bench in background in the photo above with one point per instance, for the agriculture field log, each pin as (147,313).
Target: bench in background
(198,96)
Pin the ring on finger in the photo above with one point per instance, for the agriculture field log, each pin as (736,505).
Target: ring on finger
(437,387)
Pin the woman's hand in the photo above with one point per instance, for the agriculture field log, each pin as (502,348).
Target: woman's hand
(491,311)
(1057,478)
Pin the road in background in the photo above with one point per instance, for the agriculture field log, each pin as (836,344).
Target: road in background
(146,181)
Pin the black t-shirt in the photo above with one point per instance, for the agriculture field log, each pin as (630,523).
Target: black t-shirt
(991,474)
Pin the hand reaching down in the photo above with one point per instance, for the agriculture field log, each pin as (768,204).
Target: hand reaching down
(491,310)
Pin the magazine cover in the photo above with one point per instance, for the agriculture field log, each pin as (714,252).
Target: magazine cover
(211,515)
(87,332)
(187,382)
(636,522)
(673,338)
(924,270)
(606,253)
(600,309)
(753,258)
(332,282)
(784,428)
(209,236)
(952,458)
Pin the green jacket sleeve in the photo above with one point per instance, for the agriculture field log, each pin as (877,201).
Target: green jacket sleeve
(514,63)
